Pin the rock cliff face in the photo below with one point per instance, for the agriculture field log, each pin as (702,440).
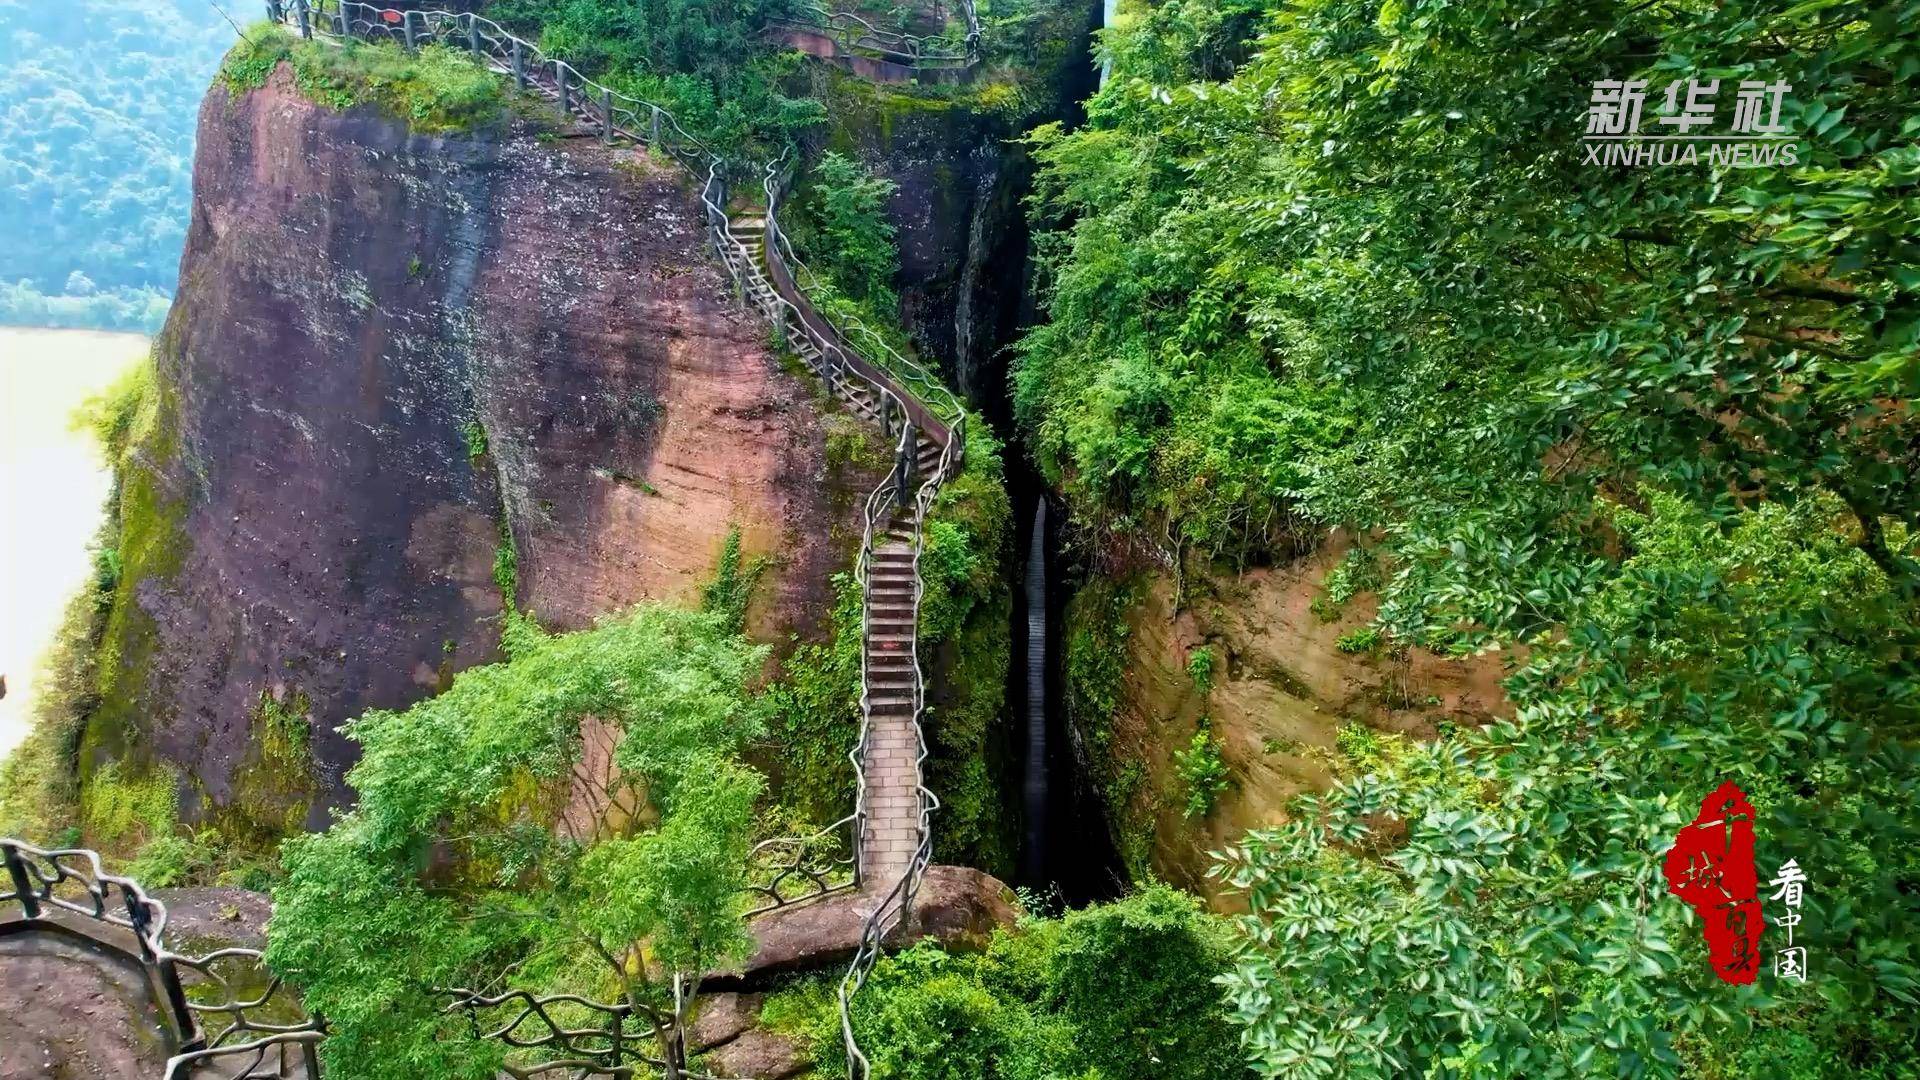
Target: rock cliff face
(401,371)
(961,177)
(1282,688)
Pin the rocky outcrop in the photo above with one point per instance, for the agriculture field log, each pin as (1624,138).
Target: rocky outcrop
(727,1031)
(760,1054)
(957,906)
(404,370)
(1282,689)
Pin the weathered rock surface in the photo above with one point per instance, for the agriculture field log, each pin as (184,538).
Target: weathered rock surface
(724,1017)
(960,907)
(70,1010)
(202,919)
(957,906)
(760,1054)
(1282,690)
(389,351)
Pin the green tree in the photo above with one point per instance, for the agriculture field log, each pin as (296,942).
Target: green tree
(846,233)
(490,851)
(1351,270)
(1127,989)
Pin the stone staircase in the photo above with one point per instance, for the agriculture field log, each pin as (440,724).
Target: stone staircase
(893,826)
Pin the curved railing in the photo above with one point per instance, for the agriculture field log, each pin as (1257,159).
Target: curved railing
(944,421)
(213,1021)
(798,869)
(856,33)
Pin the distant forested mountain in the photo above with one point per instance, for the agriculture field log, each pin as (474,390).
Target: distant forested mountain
(97,112)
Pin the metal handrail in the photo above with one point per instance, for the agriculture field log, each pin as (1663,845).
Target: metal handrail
(855,32)
(223,1030)
(837,363)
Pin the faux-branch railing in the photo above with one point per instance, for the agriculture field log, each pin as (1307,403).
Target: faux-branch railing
(802,868)
(213,1022)
(858,34)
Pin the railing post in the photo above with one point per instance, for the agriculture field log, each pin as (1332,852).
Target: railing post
(22,884)
(165,969)
(340,20)
(560,76)
(274,14)
(519,67)
(306,24)
(908,458)
(406,23)
(606,113)
(653,131)
(473,34)
(886,414)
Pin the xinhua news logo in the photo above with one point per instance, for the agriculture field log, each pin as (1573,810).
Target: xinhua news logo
(1683,129)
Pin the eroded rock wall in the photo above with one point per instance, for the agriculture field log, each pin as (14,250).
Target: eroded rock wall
(393,356)
(1281,690)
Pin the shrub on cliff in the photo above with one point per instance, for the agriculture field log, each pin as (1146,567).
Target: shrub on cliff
(1120,991)
(436,89)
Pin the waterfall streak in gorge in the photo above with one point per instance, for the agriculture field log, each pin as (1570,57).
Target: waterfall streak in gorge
(1035,787)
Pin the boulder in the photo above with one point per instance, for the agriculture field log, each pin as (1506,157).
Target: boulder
(957,906)
(724,1018)
(761,1055)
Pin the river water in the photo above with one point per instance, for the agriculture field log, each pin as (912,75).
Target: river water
(53,489)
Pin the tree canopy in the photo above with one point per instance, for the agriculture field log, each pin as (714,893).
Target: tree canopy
(490,851)
(1343,264)
(97,116)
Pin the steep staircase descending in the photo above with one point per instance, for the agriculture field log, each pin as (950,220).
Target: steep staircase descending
(891,833)
(749,230)
(892,817)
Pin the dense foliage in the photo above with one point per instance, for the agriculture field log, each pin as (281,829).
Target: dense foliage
(841,229)
(1121,991)
(487,845)
(436,89)
(964,613)
(705,62)
(96,144)
(1341,263)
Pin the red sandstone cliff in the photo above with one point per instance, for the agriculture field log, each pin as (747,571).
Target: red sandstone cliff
(304,516)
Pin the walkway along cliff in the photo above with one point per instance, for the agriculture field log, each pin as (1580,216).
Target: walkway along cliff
(889,831)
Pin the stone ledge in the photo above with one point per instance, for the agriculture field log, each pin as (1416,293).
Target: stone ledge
(958,906)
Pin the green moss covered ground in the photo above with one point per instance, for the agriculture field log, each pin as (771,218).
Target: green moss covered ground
(435,90)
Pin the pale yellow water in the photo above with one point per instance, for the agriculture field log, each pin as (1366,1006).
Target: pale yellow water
(53,490)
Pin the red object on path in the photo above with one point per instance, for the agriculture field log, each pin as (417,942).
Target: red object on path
(391,15)
(1711,868)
